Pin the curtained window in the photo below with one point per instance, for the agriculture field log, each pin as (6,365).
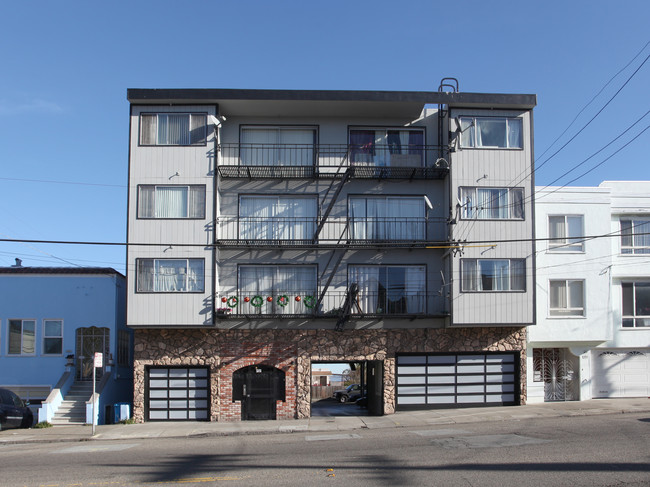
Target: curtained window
(171,201)
(493,274)
(387,218)
(567,233)
(170,275)
(277,217)
(387,147)
(276,281)
(391,289)
(566,297)
(277,146)
(173,129)
(635,236)
(491,132)
(492,203)
(22,337)
(636,304)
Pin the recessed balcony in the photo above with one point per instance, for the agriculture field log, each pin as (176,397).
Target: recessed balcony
(368,161)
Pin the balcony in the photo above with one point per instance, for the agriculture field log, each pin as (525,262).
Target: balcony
(369,304)
(286,161)
(357,232)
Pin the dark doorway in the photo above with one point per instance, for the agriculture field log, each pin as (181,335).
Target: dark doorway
(89,341)
(258,387)
(375,387)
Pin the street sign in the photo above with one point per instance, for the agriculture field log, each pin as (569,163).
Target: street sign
(99,360)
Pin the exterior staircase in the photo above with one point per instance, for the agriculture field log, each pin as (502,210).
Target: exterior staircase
(73,408)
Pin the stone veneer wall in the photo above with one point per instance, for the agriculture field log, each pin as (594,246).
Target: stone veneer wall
(293,351)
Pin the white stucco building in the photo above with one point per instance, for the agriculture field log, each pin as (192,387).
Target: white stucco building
(593,293)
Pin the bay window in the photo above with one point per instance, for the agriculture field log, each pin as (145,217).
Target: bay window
(491,132)
(492,203)
(22,337)
(566,232)
(387,147)
(636,304)
(390,289)
(493,274)
(170,275)
(277,146)
(387,218)
(281,283)
(635,236)
(171,201)
(173,129)
(566,297)
(277,217)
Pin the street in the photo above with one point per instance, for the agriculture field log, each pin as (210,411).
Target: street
(606,450)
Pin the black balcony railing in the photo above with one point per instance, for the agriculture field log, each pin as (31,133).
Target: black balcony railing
(370,304)
(259,231)
(331,160)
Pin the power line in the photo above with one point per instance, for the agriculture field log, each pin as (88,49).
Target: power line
(51,181)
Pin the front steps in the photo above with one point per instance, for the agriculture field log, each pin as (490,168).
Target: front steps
(73,408)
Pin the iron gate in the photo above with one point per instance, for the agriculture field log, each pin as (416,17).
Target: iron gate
(555,367)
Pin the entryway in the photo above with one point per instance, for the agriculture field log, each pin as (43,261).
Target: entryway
(89,341)
(258,387)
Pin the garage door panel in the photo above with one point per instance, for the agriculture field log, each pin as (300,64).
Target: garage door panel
(621,373)
(180,393)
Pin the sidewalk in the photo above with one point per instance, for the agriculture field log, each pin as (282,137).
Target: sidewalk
(410,419)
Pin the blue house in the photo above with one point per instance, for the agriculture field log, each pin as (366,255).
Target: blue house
(52,322)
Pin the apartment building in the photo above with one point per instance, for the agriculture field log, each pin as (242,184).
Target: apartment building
(273,230)
(592,338)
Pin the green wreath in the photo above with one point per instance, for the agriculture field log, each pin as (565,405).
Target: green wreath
(309,301)
(232,301)
(282,300)
(257,301)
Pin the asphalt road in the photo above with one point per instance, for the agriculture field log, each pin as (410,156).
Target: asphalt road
(608,450)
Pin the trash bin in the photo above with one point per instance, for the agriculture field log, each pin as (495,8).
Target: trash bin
(122,411)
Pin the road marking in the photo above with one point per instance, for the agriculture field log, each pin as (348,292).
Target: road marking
(332,437)
(96,448)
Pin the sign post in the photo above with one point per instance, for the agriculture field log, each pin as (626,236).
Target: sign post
(98,363)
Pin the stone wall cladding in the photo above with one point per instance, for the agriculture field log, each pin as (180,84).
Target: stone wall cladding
(293,351)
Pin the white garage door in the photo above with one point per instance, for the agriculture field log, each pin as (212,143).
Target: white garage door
(177,393)
(621,373)
(456,380)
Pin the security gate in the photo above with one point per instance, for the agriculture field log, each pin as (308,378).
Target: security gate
(177,393)
(457,380)
(89,341)
(258,387)
(555,367)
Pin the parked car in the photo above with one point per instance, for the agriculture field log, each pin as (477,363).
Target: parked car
(350,393)
(14,412)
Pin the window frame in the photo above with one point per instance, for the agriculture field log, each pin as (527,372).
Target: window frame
(246,225)
(139,261)
(45,336)
(420,222)
(155,187)
(633,317)
(556,312)
(510,205)
(275,148)
(22,334)
(629,233)
(512,278)
(356,150)
(203,140)
(554,244)
(474,125)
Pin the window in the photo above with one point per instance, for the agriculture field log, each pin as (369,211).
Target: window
(52,337)
(636,304)
(277,146)
(276,282)
(635,236)
(567,298)
(171,201)
(387,218)
(492,203)
(387,147)
(123,347)
(391,289)
(277,217)
(170,275)
(22,337)
(567,232)
(493,274)
(491,132)
(173,129)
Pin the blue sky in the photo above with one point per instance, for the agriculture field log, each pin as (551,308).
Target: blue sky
(66,67)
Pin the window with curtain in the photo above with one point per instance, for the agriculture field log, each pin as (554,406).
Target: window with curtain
(389,289)
(170,275)
(277,217)
(387,218)
(52,337)
(566,297)
(635,236)
(636,304)
(567,232)
(493,274)
(173,128)
(387,147)
(491,132)
(492,203)
(277,146)
(276,281)
(22,337)
(171,201)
